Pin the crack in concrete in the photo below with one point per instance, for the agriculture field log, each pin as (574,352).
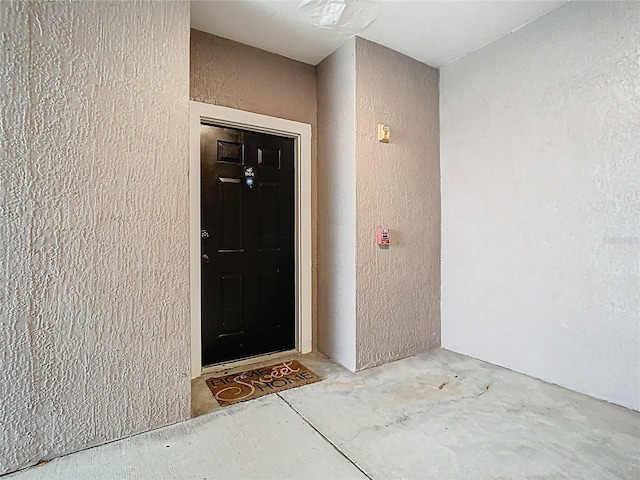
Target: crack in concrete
(408,416)
(327,439)
(401,419)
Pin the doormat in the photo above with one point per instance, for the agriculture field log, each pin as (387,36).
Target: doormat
(240,387)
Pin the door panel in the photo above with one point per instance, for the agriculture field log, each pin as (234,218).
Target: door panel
(269,299)
(269,158)
(229,229)
(268,215)
(247,243)
(230,304)
(230,152)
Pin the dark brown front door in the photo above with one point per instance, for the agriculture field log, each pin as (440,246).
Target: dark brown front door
(247,243)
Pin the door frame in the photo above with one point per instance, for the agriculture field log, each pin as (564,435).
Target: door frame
(301,133)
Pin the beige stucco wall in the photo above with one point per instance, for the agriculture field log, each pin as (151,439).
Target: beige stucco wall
(398,186)
(94,267)
(231,74)
(389,298)
(337,205)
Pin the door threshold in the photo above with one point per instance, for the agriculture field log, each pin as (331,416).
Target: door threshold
(219,367)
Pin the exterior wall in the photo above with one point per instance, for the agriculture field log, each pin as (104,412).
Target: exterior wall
(540,175)
(18,391)
(230,74)
(378,305)
(337,205)
(398,186)
(94,259)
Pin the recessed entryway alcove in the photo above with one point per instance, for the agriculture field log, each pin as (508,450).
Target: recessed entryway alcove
(300,133)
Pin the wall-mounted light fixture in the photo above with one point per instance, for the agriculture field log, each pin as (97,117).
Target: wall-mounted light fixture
(383,133)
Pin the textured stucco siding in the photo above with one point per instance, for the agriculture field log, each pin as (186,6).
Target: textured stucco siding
(234,75)
(398,186)
(541,214)
(94,332)
(337,206)
(18,390)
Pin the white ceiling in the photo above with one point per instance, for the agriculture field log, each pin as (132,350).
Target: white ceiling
(433,32)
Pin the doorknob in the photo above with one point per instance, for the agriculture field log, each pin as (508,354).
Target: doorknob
(205,258)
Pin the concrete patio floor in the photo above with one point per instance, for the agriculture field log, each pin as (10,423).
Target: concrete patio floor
(437,415)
